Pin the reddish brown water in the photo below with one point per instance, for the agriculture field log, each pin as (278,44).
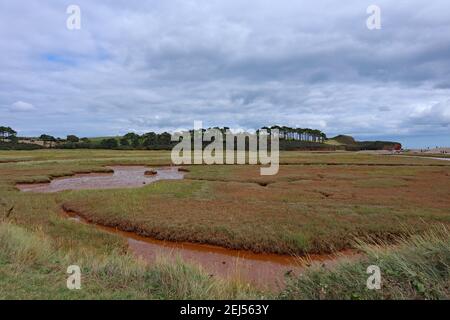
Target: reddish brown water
(123,177)
(263,270)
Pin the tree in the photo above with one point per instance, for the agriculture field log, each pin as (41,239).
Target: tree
(3,132)
(72,138)
(7,133)
(136,142)
(300,134)
(165,138)
(124,142)
(280,133)
(13,139)
(109,143)
(133,139)
(131,136)
(150,139)
(10,132)
(47,139)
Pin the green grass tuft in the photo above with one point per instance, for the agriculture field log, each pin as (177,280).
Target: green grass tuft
(417,267)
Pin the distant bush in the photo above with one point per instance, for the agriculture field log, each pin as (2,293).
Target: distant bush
(19,146)
(78,145)
(72,138)
(109,143)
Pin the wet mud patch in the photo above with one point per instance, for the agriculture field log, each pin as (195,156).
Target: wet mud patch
(122,177)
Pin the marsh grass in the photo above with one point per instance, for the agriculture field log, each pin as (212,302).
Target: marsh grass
(31,267)
(228,206)
(310,206)
(416,267)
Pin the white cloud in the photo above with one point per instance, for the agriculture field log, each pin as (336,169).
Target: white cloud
(22,106)
(434,115)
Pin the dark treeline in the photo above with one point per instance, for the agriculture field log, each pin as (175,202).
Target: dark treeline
(289,139)
(130,141)
(162,141)
(10,141)
(299,134)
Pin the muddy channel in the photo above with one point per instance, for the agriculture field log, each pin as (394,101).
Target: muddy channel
(122,177)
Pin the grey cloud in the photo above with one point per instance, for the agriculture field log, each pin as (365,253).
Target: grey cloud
(434,116)
(158,66)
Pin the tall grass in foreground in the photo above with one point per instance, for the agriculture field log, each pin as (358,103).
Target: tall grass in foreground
(30,268)
(417,267)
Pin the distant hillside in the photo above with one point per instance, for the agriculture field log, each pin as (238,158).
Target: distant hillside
(350,144)
(292,145)
(379,145)
(344,140)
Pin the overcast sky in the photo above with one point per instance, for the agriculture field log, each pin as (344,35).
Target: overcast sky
(159,65)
